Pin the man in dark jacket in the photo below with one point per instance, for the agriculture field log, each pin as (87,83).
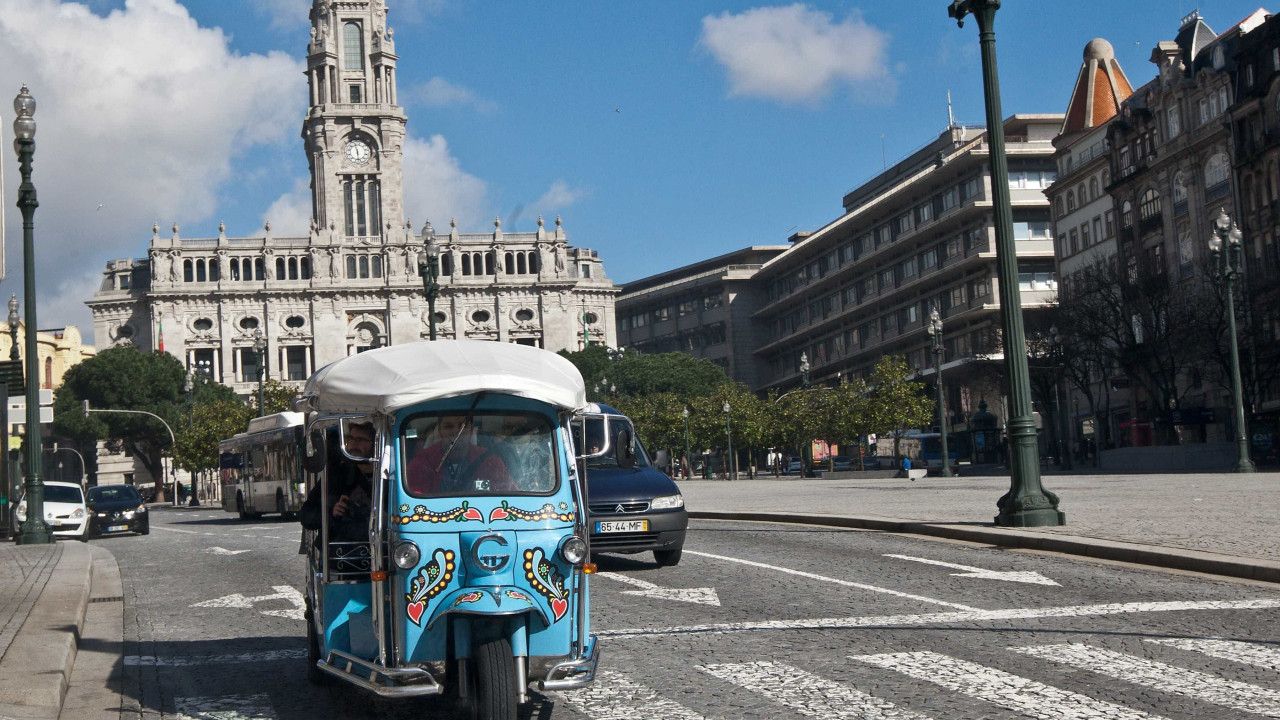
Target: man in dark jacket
(350,489)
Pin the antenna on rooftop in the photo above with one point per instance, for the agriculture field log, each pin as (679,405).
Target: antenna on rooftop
(951,119)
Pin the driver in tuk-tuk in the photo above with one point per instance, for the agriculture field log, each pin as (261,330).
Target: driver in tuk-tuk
(350,489)
(455,464)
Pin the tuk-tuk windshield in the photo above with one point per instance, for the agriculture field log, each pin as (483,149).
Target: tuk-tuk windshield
(484,453)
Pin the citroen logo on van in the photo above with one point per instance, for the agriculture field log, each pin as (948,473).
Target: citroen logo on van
(491,559)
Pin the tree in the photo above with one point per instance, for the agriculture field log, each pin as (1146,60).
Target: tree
(124,378)
(276,396)
(211,422)
(896,402)
(632,374)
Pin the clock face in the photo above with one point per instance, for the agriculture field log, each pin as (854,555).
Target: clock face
(358,152)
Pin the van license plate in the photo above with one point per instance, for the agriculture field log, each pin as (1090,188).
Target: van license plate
(117,528)
(622,526)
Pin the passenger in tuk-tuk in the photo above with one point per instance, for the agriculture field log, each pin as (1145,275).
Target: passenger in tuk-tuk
(350,489)
(455,464)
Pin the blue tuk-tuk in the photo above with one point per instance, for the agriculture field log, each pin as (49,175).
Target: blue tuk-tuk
(447,543)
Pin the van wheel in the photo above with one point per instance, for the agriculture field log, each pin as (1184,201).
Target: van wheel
(280,506)
(495,686)
(668,558)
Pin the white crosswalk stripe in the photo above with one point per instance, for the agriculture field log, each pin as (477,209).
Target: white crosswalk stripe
(1031,698)
(225,707)
(1242,652)
(1163,677)
(613,696)
(806,693)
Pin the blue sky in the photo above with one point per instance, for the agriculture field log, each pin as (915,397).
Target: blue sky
(662,131)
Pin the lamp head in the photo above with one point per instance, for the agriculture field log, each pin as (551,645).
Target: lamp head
(24,126)
(685,413)
(13,312)
(1215,244)
(259,342)
(1222,223)
(726,406)
(1235,236)
(804,362)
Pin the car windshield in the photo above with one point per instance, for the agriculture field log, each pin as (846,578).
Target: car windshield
(595,441)
(481,453)
(113,493)
(63,494)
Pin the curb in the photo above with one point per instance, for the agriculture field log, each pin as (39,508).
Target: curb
(1153,555)
(37,666)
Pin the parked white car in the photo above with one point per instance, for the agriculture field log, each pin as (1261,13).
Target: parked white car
(64,510)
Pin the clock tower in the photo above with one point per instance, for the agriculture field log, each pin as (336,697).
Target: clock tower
(354,129)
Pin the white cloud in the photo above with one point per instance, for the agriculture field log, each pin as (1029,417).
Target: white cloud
(436,188)
(291,14)
(558,196)
(438,92)
(795,54)
(141,111)
(290,214)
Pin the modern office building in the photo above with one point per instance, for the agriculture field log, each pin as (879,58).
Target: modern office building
(703,309)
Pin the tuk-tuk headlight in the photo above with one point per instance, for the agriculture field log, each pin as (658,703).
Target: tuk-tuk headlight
(573,549)
(406,555)
(667,502)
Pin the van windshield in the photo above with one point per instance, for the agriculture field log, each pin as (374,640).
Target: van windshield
(595,441)
(484,453)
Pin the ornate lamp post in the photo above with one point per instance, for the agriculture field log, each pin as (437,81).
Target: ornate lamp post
(1226,231)
(807,451)
(685,414)
(1027,504)
(1058,357)
(190,387)
(14,321)
(935,332)
(260,344)
(728,431)
(429,271)
(34,530)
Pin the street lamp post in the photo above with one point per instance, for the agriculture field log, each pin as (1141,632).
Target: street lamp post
(1226,231)
(1057,356)
(34,530)
(173,443)
(935,332)
(807,450)
(260,344)
(685,414)
(429,271)
(14,321)
(190,387)
(1027,504)
(728,431)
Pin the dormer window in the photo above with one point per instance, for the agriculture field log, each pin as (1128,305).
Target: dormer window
(352,48)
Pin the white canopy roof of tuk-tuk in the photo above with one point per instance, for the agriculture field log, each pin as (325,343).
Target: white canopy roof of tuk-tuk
(388,379)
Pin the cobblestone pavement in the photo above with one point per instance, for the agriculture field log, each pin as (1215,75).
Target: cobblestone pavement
(773,621)
(1220,513)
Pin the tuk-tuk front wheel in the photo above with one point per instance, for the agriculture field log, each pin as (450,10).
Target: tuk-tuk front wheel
(315,675)
(495,680)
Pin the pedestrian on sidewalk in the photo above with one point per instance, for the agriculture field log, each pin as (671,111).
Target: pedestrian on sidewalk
(906,467)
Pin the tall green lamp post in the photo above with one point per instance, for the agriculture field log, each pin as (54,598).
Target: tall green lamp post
(935,332)
(260,344)
(1027,504)
(190,387)
(1225,231)
(685,414)
(429,271)
(34,530)
(728,431)
(807,470)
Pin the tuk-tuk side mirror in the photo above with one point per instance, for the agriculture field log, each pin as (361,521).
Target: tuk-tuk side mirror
(313,451)
(625,443)
(662,459)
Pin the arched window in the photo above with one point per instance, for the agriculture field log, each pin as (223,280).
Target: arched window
(280,271)
(1180,188)
(364,266)
(200,272)
(352,47)
(293,268)
(522,265)
(1058,205)
(188,274)
(246,269)
(1126,215)
(351,266)
(489,261)
(376,262)
(48,372)
(1071,200)
(509,263)
(259,269)
(1217,170)
(306,268)
(446,263)
(1150,205)
(1093,188)
(533,262)
(466,263)
(213,270)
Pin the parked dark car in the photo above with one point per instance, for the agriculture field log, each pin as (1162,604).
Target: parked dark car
(841,462)
(632,510)
(115,509)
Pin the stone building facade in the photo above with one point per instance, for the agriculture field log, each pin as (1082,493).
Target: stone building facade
(352,283)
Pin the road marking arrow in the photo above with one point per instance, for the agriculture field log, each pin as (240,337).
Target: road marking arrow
(282,592)
(223,551)
(700,596)
(1022,576)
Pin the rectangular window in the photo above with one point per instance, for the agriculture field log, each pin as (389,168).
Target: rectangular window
(688,307)
(1097,229)
(971,188)
(1075,242)
(903,225)
(882,235)
(1204,111)
(886,279)
(1084,235)
(351,266)
(950,199)
(355,94)
(924,213)
(908,268)
(124,282)
(712,302)
(1174,126)
(585,270)
(349,205)
(957,296)
(1109,220)
(250,365)
(928,259)
(295,360)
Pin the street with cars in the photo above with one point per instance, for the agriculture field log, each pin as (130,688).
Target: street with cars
(757,620)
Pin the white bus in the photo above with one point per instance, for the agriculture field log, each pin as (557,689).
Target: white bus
(260,470)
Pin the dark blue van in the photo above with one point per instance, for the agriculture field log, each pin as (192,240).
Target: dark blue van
(632,509)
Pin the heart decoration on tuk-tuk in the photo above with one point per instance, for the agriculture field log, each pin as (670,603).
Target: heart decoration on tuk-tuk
(432,578)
